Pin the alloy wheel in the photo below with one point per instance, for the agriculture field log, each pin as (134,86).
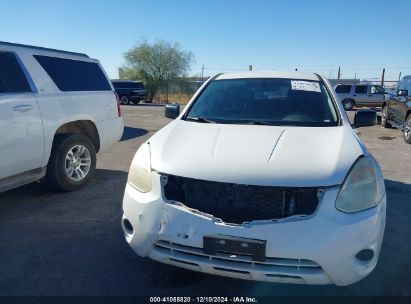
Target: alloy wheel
(124,100)
(77,163)
(384,115)
(347,105)
(407,129)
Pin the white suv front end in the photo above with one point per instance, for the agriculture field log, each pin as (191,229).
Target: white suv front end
(293,201)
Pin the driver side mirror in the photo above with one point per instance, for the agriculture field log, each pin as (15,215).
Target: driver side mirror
(365,118)
(172,110)
(402,93)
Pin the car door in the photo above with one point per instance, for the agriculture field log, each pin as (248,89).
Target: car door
(376,95)
(403,104)
(21,126)
(398,104)
(361,95)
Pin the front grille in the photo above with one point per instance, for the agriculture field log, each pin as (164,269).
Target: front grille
(234,203)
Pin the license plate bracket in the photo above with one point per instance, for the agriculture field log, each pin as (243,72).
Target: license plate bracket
(212,243)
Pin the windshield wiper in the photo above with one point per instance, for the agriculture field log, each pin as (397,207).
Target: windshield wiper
(200,119)
(259,122)
(263,123)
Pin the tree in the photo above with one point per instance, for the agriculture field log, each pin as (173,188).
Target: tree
(157,64)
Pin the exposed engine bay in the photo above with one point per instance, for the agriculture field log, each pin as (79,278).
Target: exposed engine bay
(234,203)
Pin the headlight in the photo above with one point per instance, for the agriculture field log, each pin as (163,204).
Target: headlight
(139,175)
(363,188)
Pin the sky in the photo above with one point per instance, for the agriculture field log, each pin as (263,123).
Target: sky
(362,37)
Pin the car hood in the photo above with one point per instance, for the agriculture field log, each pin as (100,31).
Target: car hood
(285,156)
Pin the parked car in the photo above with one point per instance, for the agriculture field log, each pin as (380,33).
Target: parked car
(130,91)
(360,95)
(57,110)
(260,177)
(396,111)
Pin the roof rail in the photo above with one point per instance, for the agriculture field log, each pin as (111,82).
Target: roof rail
(42,48)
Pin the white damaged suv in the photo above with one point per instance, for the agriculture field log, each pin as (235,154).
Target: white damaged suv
(261,177)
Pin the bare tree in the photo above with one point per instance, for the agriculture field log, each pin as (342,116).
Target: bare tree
(157,64)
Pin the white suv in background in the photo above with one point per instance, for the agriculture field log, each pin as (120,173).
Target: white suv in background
(57,110)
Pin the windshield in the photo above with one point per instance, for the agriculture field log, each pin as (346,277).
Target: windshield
(270,101)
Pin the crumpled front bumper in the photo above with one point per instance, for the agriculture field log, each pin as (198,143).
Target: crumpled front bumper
(320,249)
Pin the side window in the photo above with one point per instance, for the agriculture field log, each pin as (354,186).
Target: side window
(408,86)
(12,78)
(361,89)
(376,90)
(400,85)
(343,88)
(74,75)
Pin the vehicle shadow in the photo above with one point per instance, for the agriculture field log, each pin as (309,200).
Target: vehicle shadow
(40,192)
(72,236)
(146,104)
(131,133)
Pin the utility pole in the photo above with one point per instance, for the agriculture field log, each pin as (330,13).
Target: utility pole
(339,73)
(382,77)
(399,77)
(250,67)
(202,74)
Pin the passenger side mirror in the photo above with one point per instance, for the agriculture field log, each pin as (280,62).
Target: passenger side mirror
(172,110)
(402,93)
(365,118)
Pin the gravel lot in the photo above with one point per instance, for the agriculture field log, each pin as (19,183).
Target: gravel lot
(72,243)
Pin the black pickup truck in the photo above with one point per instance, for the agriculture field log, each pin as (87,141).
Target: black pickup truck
(396,110)
(130,91)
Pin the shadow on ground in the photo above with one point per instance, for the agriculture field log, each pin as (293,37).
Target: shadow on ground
(146,104)
(131,133)
(39,190)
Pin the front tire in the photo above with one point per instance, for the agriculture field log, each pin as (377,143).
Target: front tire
(124,100)
(385,117)
(72,162)
(407,130)
(348,104)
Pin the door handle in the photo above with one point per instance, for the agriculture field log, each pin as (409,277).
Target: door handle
(23,108)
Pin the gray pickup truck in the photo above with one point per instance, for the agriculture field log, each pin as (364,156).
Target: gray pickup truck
(396,111)
(368,95)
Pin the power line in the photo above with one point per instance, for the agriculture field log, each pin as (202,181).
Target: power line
(332,68)
(338,70)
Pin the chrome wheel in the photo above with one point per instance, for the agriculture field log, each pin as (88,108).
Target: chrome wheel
(347,105)
(384,116)
(124,100)
(407,130)
(78,162)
